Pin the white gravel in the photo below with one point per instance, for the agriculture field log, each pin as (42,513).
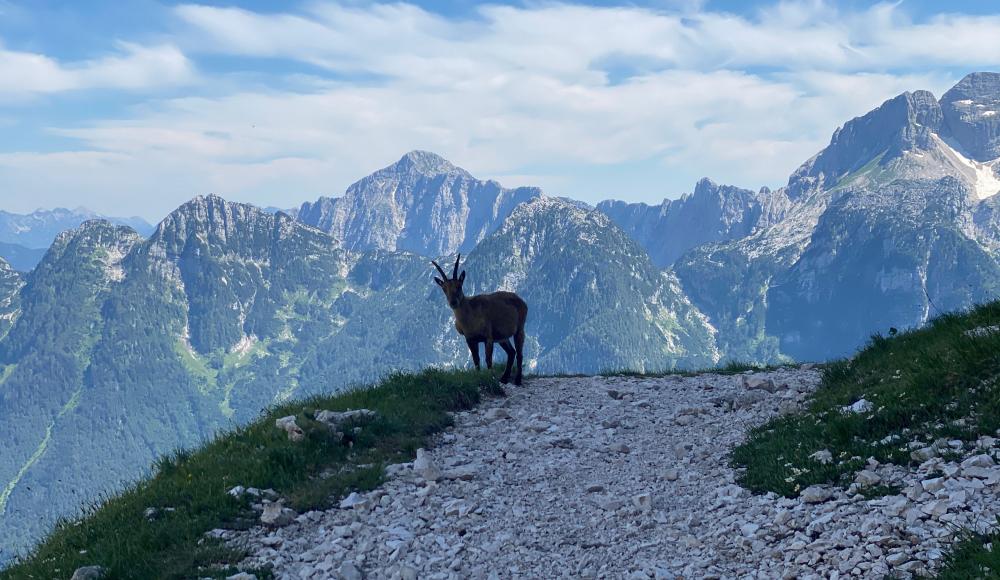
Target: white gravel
(623,477)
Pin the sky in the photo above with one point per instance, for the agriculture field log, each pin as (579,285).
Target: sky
(132,108)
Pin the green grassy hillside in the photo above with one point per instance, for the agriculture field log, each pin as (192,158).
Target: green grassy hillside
(118,535)
(939,381)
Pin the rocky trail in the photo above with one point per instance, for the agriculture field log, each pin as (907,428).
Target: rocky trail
(621,477)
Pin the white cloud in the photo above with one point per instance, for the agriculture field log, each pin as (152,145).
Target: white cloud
(510,91)
(23,74)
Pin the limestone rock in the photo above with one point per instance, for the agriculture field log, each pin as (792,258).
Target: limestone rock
(859,406)
(753,382)
(277,515)
(867,478)
(354,501)
(816,494)
(424,467)
(89,573)
(348,571)
(289,425)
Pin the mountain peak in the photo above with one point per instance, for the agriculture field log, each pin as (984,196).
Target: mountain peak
(213,203)
(422,204)
(100,231)
(705,184)
(978,80)
(972,111)
(426,163)
(904,123)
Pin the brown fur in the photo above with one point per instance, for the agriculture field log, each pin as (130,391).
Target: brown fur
(488,318)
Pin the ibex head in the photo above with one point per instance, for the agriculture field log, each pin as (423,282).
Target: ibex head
(452,287)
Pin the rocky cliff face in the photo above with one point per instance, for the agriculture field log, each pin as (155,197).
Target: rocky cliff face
(971,111)
(892,223)
(713,213)
(879,259)
(421,204)
(597,301)
(10,303)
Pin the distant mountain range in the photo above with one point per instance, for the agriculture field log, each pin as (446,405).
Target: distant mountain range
(123,345)
(894,222)
(25,237)
(21,258)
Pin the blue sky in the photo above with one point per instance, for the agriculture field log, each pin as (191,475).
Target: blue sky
(134,107)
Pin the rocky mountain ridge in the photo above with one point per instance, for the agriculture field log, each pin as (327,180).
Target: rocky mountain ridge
(421,204)
(888,226)
(713,213)
(39,229)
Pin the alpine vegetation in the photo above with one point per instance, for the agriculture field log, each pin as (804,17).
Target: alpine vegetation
(487,318)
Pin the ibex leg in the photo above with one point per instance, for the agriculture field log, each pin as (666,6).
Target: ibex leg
(474,349)
(519,346)
(509,349)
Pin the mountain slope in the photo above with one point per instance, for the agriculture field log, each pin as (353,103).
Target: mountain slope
(126,348)
(46,354)
(596,299)
(10,302)
(890,224)
(713,213)
(40,228)
(596,302)
(421,204)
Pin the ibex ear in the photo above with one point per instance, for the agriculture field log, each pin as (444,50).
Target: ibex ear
(461,277)
(438,281)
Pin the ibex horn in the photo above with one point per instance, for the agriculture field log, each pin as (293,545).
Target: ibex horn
(443,275)
(455,273)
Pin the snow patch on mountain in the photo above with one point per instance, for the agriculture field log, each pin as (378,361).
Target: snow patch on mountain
(983,176)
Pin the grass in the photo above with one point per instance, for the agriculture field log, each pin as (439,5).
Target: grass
(931,383)
(974,556)
(877,491)
(925,384)
(117,535)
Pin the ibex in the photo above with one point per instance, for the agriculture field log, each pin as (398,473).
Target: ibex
(488,318)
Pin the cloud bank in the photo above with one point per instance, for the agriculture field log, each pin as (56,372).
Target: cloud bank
(591,102)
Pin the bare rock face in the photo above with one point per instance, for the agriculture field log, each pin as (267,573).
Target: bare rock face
(972,111)
(711,213)
(421,204)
